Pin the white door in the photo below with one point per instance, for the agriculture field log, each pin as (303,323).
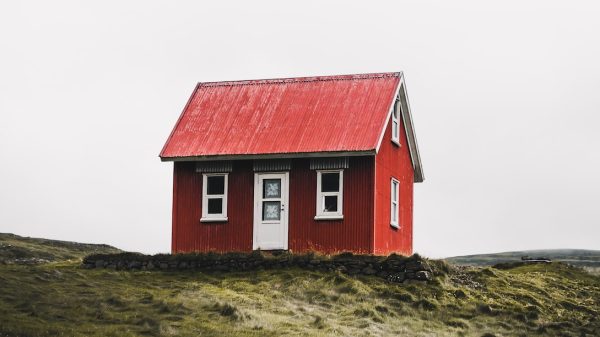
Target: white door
(270,211)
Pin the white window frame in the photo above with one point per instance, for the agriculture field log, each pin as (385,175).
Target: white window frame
(322,215)
(395,201)
(396,123)
(214,217)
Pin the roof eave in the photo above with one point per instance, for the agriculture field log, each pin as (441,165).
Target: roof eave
(179,120)
(272,156)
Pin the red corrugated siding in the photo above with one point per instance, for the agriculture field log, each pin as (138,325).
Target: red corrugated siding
(393,161)
(354,233)
(174,219)
(300,115)
(191,235)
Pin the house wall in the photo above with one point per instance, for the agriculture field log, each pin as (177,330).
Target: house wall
(353,233)
(393,161)
(189,234)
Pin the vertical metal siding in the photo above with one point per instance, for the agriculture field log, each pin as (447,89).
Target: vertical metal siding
(329,163)
(174,219)
(234,235)
(330,236)
(393,161)
(353,233)
(272,165)
(214,166)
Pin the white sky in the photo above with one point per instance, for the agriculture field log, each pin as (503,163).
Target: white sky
(504,98)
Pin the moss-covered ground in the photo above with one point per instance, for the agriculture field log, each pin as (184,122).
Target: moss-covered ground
(25,250)
(63,299)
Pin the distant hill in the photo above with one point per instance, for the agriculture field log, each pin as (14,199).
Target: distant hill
(576,257)
(15,249)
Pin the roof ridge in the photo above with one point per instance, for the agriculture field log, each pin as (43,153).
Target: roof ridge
(301,79)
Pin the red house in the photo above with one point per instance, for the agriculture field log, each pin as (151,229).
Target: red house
(312,163)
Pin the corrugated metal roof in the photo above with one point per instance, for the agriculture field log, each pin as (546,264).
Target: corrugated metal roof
(331,114)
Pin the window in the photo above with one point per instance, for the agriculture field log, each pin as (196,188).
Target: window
(330,194)
(394,204)
(214,197)
(396,123)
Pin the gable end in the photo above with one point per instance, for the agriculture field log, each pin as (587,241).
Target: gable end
(409,129)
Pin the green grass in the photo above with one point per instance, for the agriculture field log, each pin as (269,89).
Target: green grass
(16,249)
(62,299)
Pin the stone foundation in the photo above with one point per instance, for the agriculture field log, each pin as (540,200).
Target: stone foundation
(394,268)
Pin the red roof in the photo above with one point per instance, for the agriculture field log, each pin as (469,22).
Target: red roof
(284,116)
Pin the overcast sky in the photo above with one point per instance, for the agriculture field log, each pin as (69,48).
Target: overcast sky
(505,100)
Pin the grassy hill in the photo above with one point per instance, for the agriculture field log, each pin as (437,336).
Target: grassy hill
(61,298)
(16,249)
(589,259)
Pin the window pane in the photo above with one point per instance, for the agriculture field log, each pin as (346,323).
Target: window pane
(394,191)
(271,210)
(215,206)
(394,213)
(330,182)
(272,188)
(331,203)
(216,185)
(396,110)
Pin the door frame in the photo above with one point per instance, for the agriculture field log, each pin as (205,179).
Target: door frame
(257,216)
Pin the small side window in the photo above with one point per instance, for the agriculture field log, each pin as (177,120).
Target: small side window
(396,123)
(214,197)
(395,204)
(330,194)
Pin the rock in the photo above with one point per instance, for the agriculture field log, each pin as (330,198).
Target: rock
(369,270)
(395,260)
(99,264)
(397,277)
(414,265)
(485,309)
(164,265)
(459,294)
(221,267)
(134,265)
(423,275)
(353,271)
(394,266)
(418,265)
